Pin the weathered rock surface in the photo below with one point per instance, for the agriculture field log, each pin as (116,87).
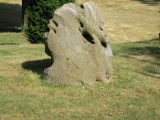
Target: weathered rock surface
(78,46)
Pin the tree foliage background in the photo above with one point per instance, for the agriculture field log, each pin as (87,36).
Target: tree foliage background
(38,14)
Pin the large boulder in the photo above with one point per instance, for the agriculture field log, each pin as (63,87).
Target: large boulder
(78,45)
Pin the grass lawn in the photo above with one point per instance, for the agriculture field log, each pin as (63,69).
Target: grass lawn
(130,20)
(133,93)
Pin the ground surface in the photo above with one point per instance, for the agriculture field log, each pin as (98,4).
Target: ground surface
(130,20)
(133,94)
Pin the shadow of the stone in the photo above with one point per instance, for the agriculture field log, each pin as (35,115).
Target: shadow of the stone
(37,66)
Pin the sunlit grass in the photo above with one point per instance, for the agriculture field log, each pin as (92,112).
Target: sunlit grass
(130,20)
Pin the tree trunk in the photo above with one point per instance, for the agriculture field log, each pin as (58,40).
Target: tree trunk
(24,17)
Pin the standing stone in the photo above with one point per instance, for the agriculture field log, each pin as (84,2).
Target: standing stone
(78,46)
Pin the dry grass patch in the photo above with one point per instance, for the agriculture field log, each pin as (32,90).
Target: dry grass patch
(127,20)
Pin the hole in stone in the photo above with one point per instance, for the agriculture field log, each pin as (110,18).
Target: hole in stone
(88,37)
(47,29)
(81,24)
(101,28)
(55,31)
(82,6)
(104,44)
(55,23)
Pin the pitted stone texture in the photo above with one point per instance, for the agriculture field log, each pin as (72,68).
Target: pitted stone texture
(78,46)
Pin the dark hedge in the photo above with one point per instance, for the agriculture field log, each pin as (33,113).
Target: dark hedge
(38,14)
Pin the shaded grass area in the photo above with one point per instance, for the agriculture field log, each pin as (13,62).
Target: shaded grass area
(146,53)
(134,92)
(37,66)
(150,2)
(10,17)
